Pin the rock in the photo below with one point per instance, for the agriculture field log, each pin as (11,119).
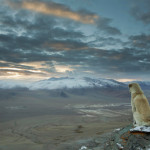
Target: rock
(93,143)
(145,129)
(129,138)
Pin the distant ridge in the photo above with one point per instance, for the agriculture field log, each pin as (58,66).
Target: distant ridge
(69,83)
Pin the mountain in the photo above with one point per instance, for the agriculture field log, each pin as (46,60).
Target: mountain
(69,83)
(75,83)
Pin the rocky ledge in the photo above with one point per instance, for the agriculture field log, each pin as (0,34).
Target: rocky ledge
(127,138)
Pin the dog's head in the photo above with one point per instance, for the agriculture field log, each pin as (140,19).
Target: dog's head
(135,88)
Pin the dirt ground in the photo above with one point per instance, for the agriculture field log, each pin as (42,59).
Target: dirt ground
(32,122)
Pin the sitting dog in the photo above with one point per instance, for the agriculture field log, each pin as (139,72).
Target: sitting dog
(140,106)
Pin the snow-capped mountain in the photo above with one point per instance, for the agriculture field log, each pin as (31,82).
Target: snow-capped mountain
(64,83)
(69,83)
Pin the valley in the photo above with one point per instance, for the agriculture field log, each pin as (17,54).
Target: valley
(43,120)
(46,119)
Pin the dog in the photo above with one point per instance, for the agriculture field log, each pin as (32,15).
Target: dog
(140,106)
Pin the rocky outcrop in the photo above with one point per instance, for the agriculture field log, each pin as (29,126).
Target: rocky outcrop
(127,138)
(93,143)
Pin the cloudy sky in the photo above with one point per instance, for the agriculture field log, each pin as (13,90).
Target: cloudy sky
(54,38)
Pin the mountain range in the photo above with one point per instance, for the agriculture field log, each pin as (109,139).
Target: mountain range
(69,83)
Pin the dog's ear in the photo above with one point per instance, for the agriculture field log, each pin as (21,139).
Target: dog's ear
(130,85)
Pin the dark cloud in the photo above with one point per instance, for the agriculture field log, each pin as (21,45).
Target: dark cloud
(141,14)
(104,25)
(106,42)
(141,41)
(123,60)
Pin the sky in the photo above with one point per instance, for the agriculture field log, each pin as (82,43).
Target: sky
(41,39)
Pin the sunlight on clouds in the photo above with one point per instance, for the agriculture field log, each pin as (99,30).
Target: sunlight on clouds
(17,76)
(14,74)
(18,69)
(60,68)
(126,80)
(20,73)
(4,68)
(88,71)
(37,70)
(55,9)
(35,64)
(33,76)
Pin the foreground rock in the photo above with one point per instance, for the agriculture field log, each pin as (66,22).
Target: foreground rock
(145,129)
(93,143)
(127,138)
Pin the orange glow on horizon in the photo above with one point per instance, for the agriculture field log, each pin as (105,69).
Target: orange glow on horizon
(126,80)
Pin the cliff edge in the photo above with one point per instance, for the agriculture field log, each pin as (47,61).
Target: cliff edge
(127,138)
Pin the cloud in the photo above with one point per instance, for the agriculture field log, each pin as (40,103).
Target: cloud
(29,70)
(56,9)
(80,56)
(141,15)
(36,42)
(106,42)
(9,73)
(62,11)
(104,24)
(116,63)
(141,41)
(119,63)
(67,45)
